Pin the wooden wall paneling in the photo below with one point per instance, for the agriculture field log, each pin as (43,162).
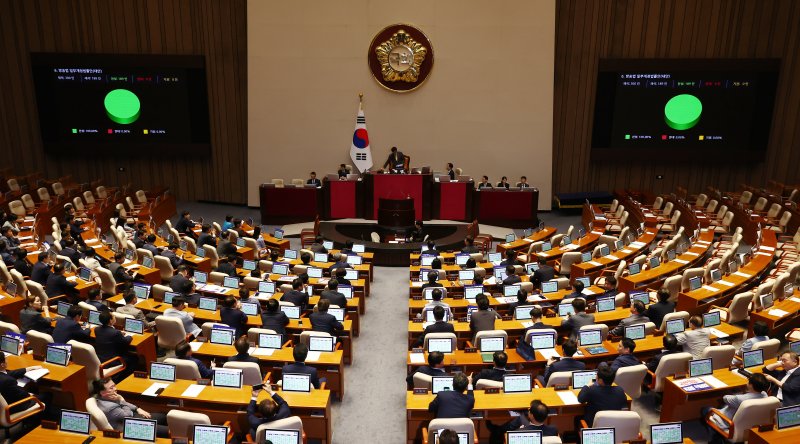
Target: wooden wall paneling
(589,31)
(213,28)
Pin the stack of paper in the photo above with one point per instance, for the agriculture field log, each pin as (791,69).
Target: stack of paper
(263,352)
(193,391)
(777,312)
(416,358)
(151,391)
(36,374)
(568,397)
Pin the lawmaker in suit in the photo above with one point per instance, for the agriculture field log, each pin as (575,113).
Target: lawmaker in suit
(574,322)
(12,392)
(435,367)
(334,296)
(484,317)
(454,403)
(656,312)
(500,359)
(185,225)
(511,276)
(130,308)
(537,415)
(41,269)
(625,357)
(231,315)
(787,380)
(184,351)
(757,385)
(57,284)
(69,328)
(671,346)
(312,180)
(273,318)
(297,295)
(544,273)
(119,272)
(439,326)
(565,364)
(111,343)
(469,246)
(206,237)
(242,346)
(176,311)
(35,317)
(602,395)
(270,409)
(396,161)
(323,321)
(300,352)
(637,317)
(116,409)
(182,275)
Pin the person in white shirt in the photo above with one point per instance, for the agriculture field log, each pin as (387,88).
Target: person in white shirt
(178,304)
(787,380)
(696,339)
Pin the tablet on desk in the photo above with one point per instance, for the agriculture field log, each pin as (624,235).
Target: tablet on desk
(281,436)
(270,340)
(162,372)
(228,377)
(210,434)
(321,343)
(296,382)
(666,433)
(524,437)
(517,383)
(139,429)
(75,422)
(441,384)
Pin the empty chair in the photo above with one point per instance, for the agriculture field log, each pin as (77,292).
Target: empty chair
(451,336)
(7,327)
(107,283)
(483,384)
(422,380)
(84,354)
(170,332)
(164,267)
(38,342)
(672,225)
(564,267)
(721,355)
(181,423)
(689,274)
(44,195)
(737,310)
(781,226)
(668,366)
(490,334)
(559,378)
(278,183)
(770,347)
(625,423)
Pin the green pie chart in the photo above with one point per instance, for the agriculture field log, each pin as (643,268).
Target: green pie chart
(122,106)
(683,111)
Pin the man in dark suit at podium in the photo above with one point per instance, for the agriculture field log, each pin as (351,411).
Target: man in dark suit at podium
(395,161)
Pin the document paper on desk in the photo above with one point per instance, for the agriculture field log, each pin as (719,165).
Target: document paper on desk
(717,333)
(195,346)
(416,358)
(713,381)
(681,261)
(777,312)
(568,397)
(724,282)
(151,391)
(193,391)
(260,351)
(313,356)
(548,353)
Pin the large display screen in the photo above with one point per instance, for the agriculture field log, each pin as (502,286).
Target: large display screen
(122,104)
(683,109)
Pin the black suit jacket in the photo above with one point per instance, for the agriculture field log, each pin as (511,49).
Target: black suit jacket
(226,248)
(656,312)
(299,367)
(184,226)
(101,307)
(243,358)
(452,404)
(206,239)
(234,318)
(652,363)
(58,284)
(227,268)
(790,389)
(335,297)
(511,280)
(493,374)
(72,254)
(544,273)
(11,391)
(601,397)
(110,342)
(40,273)
(176,282)
(325,322)
(563,365)
(31,319)
(276,321)
(436,327)
(67,329)
(23,267)
(297,298)
(315,182)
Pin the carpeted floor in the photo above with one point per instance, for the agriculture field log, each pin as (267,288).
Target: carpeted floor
(373,409)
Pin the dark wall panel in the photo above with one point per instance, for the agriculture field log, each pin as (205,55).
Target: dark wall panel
(587,31)
(213,28)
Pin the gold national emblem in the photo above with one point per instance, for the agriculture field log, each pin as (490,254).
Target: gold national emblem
(400,58)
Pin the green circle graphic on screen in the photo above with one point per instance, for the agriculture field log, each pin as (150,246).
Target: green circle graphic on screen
(683,111)
(122,106)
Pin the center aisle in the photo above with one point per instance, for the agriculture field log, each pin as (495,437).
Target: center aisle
(374,405)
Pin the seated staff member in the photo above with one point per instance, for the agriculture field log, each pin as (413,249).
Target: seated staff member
(396,161)
(503,183)
(537,416)
(116,409)
(602,395)
(523,182)
(312,180)
(438,326)
(342,171)
(787,380)
(484,183)
(469,245)
(323,321)
(454,403)
(451,172)
(270,409)
(300,353)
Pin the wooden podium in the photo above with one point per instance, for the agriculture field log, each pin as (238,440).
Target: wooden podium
(396,213)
